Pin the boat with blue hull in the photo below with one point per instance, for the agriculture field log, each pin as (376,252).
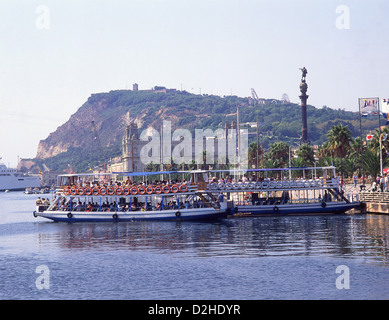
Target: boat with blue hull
(284,191)
(209,194)
(104,197)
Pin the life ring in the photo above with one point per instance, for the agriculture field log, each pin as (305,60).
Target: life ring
(178,214)
(235,186)
(323,204)
(134,191)
(265,185)
(285,184)
(88,191)
(80,191)
(95,191)
(69,215)
(278,184)
(276,209)
(66,191)
(115,216)
(213,185)
(251,185)
(103,191)
(158,189)
(243,185)
(228,186)
(149,190)
(34,214)
(307,184)
(222,185)
(141,190)
(258,185)
(119,191)
(272,185)
(126,191)
(183,188)
(165,189)
(73,191)
(174,188)
(110,191)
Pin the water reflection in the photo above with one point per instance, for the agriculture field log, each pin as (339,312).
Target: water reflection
(360,236)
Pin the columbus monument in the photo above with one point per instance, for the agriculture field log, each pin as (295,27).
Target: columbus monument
(303,97)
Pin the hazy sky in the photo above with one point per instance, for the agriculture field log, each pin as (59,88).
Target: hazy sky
(55,54)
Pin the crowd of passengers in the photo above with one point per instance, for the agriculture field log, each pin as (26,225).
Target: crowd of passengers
(253,178)
(122,206)
(128,183)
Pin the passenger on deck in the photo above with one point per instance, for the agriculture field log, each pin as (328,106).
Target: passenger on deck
(78,207)
(327,197)
(285,197)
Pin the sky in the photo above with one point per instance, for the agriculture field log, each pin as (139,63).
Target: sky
(55,54)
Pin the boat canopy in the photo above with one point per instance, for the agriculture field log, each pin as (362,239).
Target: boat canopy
(72,177)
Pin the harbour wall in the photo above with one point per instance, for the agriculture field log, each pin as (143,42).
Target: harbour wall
(375,202)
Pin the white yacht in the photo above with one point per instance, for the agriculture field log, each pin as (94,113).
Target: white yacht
(12,179)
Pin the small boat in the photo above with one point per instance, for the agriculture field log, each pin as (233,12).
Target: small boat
(101,197)
(281,194)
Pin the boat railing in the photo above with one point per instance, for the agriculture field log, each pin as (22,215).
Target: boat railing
(274,185)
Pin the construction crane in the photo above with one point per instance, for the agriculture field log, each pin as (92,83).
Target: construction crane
(254,95)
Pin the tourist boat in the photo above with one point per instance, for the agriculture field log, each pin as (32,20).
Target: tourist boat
(285,191)
(105,197)
(13,180)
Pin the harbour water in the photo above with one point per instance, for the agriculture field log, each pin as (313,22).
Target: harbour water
(301,257)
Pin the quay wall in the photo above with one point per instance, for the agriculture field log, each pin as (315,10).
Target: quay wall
(375,202)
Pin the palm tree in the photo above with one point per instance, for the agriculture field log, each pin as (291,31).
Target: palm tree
(355,148)
(305,152)
(339,138)
(371,162)
(375,143)
(354,154)
(279,151)
(323,151)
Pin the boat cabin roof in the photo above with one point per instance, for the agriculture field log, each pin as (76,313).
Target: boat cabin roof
(148,173)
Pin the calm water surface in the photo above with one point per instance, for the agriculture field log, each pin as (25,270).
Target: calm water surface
(247,258)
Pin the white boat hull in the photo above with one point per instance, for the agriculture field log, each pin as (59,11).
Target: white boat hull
(179,215)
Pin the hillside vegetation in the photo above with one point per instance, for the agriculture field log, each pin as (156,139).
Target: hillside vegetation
(80,144)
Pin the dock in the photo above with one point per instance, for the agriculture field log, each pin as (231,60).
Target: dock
(375,202)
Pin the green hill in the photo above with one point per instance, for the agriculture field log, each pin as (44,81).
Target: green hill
(79,144)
